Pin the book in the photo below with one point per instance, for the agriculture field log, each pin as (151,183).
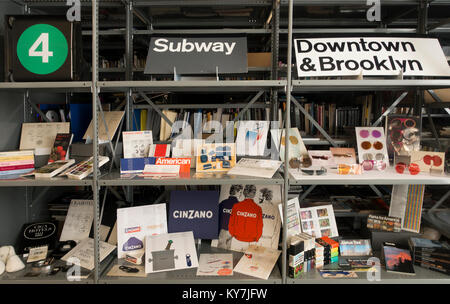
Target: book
(16,162)
(135,165)
(255,167)
(426,246)
(258,262)
(355,248)
(136,144)
(397,259)
(60,150)
(196,211)
(84,168)
(52,169)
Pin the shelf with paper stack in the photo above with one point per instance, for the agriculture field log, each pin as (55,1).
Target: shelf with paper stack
(386,177)
(187,276)
(422,276)
(115,179)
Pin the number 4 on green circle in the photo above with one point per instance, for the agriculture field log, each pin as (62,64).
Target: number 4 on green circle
(42,49)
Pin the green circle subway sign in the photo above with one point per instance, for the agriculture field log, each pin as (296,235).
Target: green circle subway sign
(42,49)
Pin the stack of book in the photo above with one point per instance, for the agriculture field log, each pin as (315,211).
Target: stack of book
(430,254)
(16,162)
(301,254)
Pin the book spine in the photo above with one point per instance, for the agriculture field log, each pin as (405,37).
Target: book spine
(18,167)
(17,163)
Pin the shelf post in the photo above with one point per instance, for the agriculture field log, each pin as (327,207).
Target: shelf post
(129,111)
(275,39)
(95,188)
(286,150)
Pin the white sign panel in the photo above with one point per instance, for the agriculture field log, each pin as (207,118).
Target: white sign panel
(371,56)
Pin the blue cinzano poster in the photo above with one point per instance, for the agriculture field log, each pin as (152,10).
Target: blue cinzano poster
(196,211)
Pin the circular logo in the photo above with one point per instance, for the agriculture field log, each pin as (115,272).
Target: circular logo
(42,49)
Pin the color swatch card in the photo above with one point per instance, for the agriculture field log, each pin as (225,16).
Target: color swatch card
(371,146)
(319,221)
(170,251)
(159,150)
(413,210)
(345,156)
(251,137)
(215,264)
(322,158)
(297,149)
(216,157)
(429,162)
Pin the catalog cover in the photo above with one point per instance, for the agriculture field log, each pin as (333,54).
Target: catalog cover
(216,157)
(258,262)
(319,221)
(251,137)
(355,248)
(397,259)
(170,251)
(196,211)
(402,134)
(168,167)
(134,223)
(255,167)
(60,150)
(297,149)
(78,223)
(248,214)
(215,264)
(38,234)
(136,143)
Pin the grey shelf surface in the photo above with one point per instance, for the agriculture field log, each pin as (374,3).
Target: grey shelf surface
(386,177)
(367,85)
(422,276)
(114,179)
(189,276)
(65,86)
(59,278)
(193,86)
(17,181)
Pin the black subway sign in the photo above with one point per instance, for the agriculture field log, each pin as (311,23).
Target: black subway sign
(370,56)
(197,55)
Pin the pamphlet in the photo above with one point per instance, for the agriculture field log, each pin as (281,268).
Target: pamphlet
(258,262)
(255,167)
(319,221)
(215,264)
(83,254)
